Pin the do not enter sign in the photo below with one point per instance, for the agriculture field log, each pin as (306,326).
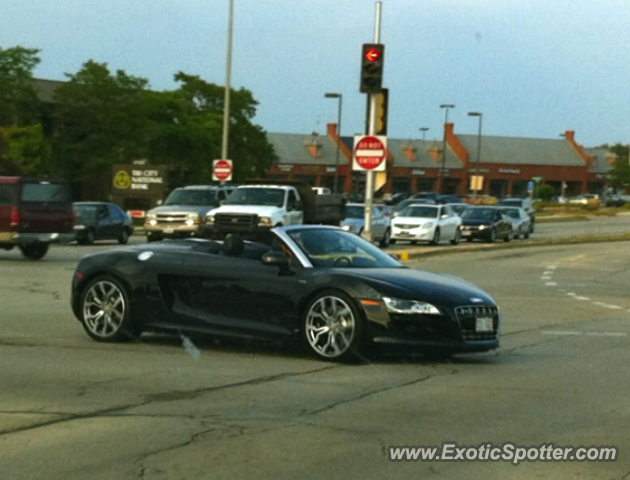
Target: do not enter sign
(222,170)
(370,153)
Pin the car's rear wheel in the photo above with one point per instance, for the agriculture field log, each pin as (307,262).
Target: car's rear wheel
(89,237)
(34,251)
(124,237)
(332,326)
(493,236)
(105,310)
(508,236)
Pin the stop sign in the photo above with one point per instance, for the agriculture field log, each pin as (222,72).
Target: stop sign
(370,153)
(222,170)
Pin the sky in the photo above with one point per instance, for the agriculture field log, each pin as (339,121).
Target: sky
(533,68)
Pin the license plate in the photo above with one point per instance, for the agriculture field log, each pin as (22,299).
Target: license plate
(404,232)
(466,233)
(168,230)
(483,324)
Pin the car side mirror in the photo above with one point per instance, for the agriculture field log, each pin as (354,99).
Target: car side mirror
(277,259)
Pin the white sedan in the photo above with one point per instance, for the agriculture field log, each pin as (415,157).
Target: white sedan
(426,223)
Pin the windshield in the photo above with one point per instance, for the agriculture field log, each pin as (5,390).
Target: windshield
(85,211)
(511,203)
(190,197)
(257,196)
(479,213)
(419,211)
(336,248)
(45,192)
(513,212)
(354,211)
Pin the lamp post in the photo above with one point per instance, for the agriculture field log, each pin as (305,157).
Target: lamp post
(340,97)
(445,106)
(424,132)
(480,115)
(228,72)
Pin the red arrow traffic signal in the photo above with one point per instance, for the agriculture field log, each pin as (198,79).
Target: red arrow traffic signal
(372,67)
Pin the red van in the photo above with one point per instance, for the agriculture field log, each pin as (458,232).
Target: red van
(35,212)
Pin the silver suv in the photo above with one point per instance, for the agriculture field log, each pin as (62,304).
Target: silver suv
(182,212)
(525,204)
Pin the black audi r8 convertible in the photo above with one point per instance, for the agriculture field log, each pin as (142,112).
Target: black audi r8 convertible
(335,291)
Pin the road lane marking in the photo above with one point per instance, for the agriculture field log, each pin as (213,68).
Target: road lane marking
(606,305)
(590,334)
(551,284)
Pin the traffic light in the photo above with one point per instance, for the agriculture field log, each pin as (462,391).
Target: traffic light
(372,57)
(382,100)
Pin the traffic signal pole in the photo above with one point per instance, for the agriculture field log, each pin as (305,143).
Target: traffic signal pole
(369,175)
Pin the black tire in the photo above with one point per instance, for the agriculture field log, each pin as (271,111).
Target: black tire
(508,236)
(457,237)
(123,238)
(105,310)
(469,239)
(436,237)
(392,241)
(493,236)
(526,235)
(153,239)
(385,241)
(34,251)
(89,237)
(531,227)
(332,327)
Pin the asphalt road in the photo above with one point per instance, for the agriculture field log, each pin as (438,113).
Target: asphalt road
(74,409)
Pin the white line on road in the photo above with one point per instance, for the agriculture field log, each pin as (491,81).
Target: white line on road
(606,305)
(591,334)
(551,284)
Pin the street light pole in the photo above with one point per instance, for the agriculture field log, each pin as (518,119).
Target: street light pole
(228,72)
(480,115)
(443,172)
(340,97)
(424,132)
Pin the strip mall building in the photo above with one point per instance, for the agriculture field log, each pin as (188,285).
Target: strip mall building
(507,164)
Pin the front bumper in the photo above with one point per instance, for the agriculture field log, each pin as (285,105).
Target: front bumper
(419,234)
(476,233)
(171,230)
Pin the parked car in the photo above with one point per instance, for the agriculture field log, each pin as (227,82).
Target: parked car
(355,223)
(426,223)
(585,199)
(521,222)
(35,212)
(101,221)
(613,200)
(436,197)
(386,210)
(486,223)
(524,203)
(335,292)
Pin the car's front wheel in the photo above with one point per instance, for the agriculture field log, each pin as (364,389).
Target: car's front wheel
(332,326)
(386,239)
(457,237)
(105,310)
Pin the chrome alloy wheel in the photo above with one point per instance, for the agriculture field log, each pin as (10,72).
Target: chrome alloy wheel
(104,309)
(330,327)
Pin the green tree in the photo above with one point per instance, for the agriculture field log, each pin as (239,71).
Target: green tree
(28,149)
(187,130)
(99,121)
(620,171)
(18,101)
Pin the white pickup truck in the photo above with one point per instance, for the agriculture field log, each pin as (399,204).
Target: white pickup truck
(252,210)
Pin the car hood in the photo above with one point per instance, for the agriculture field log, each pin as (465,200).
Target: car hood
(260,210)
(412,284)
(412,220)
(176,208)
(356,222)
(473,222)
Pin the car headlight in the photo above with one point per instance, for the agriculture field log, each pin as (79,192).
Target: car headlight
(264,221)
(150,216)
(428,225)
(210,219)
(192,219)
(79,227)
(397,305)
(483,227)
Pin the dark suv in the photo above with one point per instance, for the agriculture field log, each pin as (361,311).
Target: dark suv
(34,212)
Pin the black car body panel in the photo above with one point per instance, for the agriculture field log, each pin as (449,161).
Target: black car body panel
(101,221)
(486,223)
(194,285)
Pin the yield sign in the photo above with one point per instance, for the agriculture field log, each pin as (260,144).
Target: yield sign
(369,153)
(222,170)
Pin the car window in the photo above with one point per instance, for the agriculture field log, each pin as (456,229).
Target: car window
(44,192)
(354,211)
(7,193)
(115,213)
(338,249)
(419,211)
